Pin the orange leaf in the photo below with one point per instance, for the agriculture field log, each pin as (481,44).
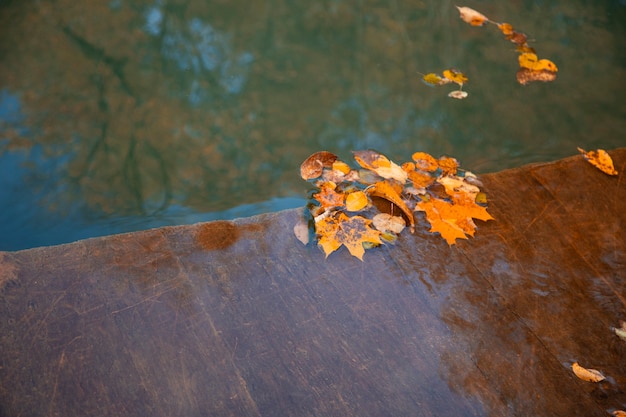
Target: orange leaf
(425,162)
(350,232)
(472,17)
(385,190)
(314,165)
(328,197)
(437,214)
(505,28)
(600,159)
(448,165)
(453,220)
(589,375)
(455,76)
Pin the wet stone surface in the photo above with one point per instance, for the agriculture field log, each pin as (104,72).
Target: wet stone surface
(240,319)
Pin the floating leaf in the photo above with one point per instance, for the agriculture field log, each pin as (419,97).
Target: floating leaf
(385,222)
(328,197)
(458,94)
(619,413)
(434,79)
(356,201)
(472,17)
(589,375)
(385,190)
(455,76)
(352,232)
(425,162)
(314,165)
(379,164)
(599,159)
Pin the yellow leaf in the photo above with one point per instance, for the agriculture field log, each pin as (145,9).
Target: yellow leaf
(434,79)
(589,375)
(600,159)
(472,17)
(356,201)
(455,76)
(352,232)
(341,167)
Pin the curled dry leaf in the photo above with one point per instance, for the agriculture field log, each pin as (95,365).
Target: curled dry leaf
(472,17)
(621,332)
(301,230)
(590,375)
(619,413)
(385,190)
(379,164)
(599,159)
(314,165)
(458,94)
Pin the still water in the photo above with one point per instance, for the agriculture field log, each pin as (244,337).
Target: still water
(119,115)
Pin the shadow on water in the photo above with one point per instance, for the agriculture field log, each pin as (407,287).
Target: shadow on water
(118,115)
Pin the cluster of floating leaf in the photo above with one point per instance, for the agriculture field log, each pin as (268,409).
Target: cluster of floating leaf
(531,67)
(368,206)
(450,75)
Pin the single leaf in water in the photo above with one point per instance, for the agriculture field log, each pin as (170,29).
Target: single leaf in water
(434,79)
(458,94)
(589,375)
(472,17)
(599,159)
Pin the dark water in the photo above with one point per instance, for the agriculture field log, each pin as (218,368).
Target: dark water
(123,115)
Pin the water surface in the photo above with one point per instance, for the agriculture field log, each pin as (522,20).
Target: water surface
(123,115)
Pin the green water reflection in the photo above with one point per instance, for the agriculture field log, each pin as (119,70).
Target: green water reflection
(117,115)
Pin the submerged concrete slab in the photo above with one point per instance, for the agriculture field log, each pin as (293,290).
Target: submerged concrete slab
(240,319)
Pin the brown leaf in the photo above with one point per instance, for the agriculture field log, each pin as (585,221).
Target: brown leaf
(328,197)
(314,165)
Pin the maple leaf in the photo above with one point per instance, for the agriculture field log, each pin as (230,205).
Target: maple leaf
(350,232)
(452,220)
